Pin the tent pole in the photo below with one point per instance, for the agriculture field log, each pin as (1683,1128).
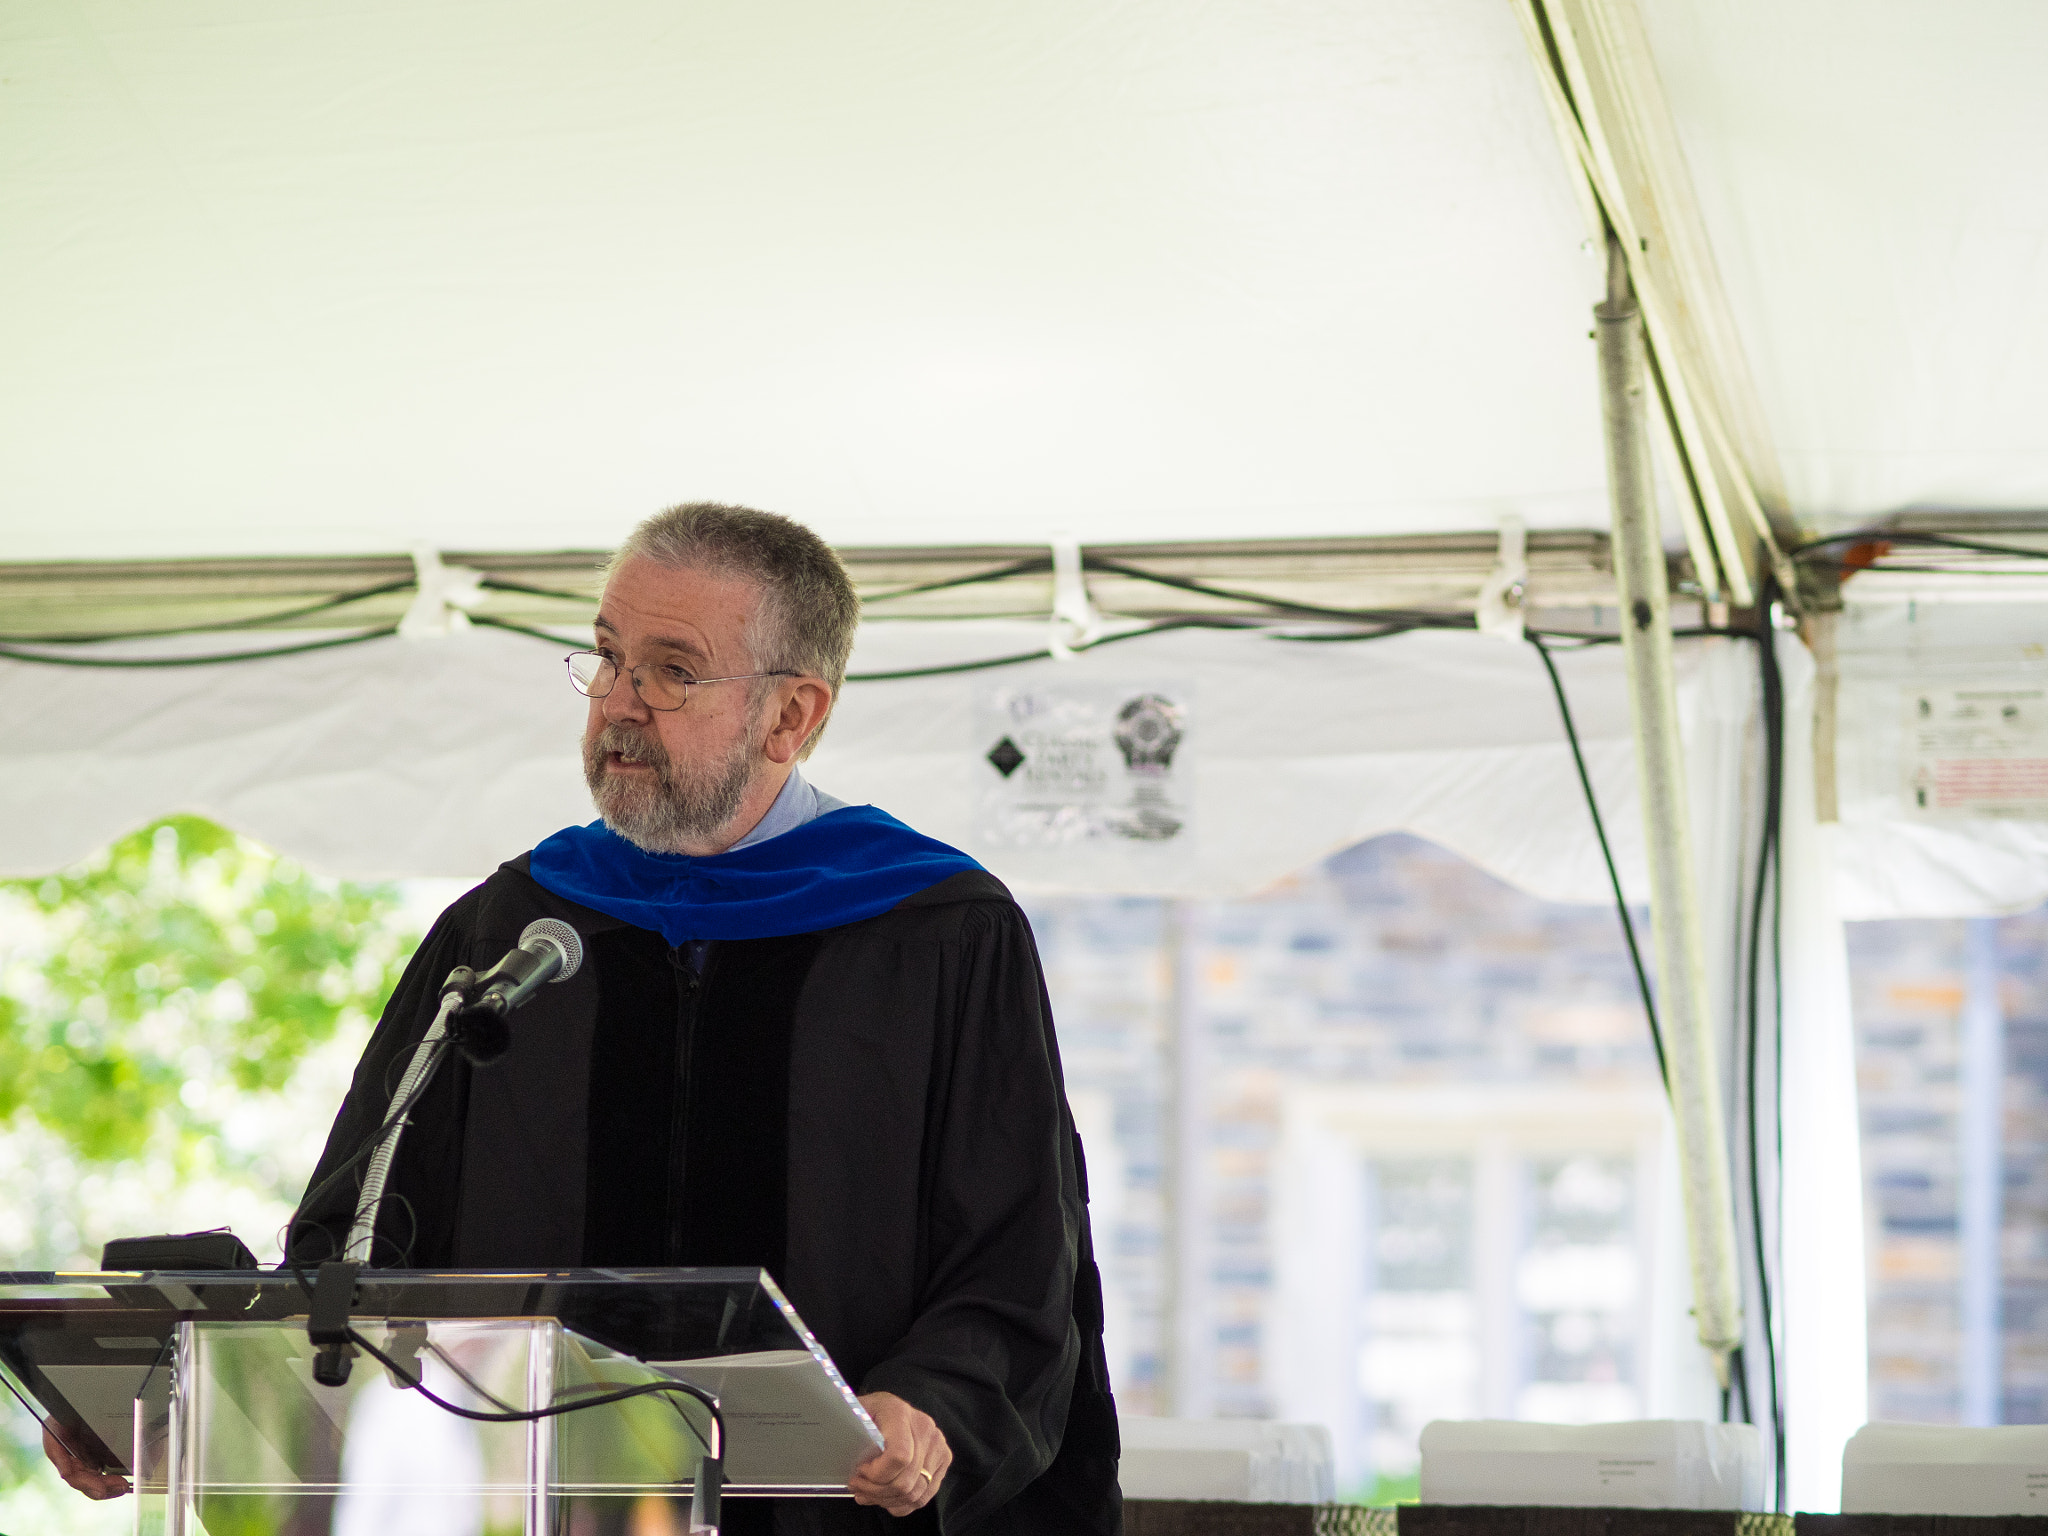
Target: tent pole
(1695,1084)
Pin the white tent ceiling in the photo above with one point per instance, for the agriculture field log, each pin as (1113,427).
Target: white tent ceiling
(1869,174)
(324,277)
(328,277)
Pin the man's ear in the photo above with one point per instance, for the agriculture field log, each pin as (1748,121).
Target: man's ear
(805,703)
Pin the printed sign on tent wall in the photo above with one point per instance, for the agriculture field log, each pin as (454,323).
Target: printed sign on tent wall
(1978,749)
(1085,769)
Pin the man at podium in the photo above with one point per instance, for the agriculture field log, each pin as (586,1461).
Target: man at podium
(804,1037)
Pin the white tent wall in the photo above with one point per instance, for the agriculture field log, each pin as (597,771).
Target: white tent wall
(1823,1235)
(443,757)
(440,757)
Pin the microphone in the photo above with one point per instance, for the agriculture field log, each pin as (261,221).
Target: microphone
(549,950)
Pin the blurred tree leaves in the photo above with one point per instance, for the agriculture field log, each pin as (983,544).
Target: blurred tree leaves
(142,991)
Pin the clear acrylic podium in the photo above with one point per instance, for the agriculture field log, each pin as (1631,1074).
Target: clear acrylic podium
(199,1386)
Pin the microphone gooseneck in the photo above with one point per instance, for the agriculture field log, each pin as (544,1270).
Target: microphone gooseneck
(472,1017)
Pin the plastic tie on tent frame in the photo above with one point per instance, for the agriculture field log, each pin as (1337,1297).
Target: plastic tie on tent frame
(1502,598)
(1075,623)
(446,593)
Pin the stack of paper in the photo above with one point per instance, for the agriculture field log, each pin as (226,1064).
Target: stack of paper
(1247,1461)
(1644,1464)
(1939,1469)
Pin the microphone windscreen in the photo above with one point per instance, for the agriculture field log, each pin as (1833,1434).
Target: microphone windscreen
(481,1035)
(563,937)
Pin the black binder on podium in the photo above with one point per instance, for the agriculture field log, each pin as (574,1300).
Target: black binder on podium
(204,1388)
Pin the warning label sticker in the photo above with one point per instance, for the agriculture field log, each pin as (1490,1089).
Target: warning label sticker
(1978,750)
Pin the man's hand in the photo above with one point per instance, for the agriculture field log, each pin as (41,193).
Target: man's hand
(905,1473)
(94,1485)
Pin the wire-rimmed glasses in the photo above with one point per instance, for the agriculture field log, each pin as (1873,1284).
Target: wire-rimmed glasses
(660,685)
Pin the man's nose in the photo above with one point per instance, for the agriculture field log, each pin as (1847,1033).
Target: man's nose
(624,701)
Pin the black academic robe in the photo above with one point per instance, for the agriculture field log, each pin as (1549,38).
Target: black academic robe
(934,1229)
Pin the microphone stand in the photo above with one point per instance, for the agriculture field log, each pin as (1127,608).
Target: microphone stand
(426,1059)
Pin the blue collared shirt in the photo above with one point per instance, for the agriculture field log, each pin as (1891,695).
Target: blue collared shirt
(797,804)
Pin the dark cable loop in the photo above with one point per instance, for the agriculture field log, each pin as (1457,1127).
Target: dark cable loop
(1380,623)
(1768,874)
(387,1126)
(1160,627)
(469,1381)
(1628,927)
(1030,567)
(198,661)
(416,1383)
(1929,540)
(486,621)
(257,621)
(412,1235)
(526,589)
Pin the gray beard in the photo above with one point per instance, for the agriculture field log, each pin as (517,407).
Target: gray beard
(683,804)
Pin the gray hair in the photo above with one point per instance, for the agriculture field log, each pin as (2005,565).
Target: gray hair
(808,611)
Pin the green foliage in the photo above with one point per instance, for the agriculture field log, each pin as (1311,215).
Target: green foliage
(1393,1489)
(1383,1491)
(142,990)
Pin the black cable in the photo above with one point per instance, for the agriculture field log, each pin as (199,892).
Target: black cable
(199,661)
(1676,438)
(1628,927)
(393,1118)
(1036,565)
(1392,624)
(952,667)
(486,621)
(1418,618)
(1380,623)
(1345,637)
(1162,626)
(1893,568)
(1688,632)
(259,621)
(501,584)
(1930,540)
(412,1232)
(1450,622)
(1579,640)
(469,1381)
(1773,689)
(416,1383)
(1771,682)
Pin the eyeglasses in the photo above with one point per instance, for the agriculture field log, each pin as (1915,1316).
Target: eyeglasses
(660,686)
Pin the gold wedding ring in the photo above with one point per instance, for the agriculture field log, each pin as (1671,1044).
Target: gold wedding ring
(923,1473)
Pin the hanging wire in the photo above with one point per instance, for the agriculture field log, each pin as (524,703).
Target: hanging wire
(1368,623)
(333,642)
(1811,547)
(1628,927)
(1768,884)
(217,626)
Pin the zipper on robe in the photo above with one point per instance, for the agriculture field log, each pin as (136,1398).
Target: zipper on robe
(687,960)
